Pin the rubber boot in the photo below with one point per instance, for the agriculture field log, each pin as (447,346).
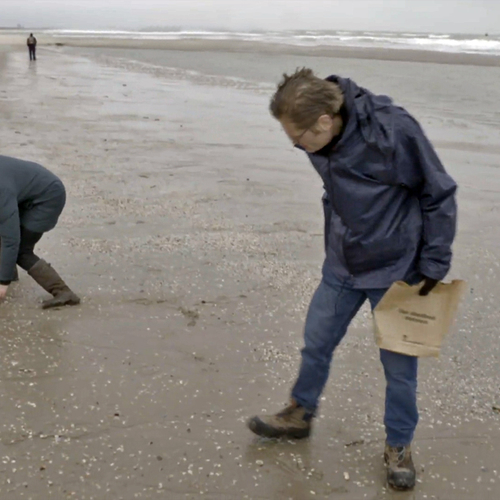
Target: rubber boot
(46,276)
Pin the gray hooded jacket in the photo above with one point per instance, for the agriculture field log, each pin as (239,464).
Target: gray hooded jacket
(390,209)
(30,196)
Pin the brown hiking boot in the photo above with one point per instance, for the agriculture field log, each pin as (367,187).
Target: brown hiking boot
(400,469)
(46,276)
(293,422)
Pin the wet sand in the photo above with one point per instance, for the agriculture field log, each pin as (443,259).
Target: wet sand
(193,233)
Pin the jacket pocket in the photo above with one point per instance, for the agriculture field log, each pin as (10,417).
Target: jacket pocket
(363,256)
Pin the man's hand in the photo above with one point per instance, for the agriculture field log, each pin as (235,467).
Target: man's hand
(428,286)
(3,292)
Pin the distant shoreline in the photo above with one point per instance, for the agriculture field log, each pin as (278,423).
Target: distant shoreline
(229,30)
(208,45)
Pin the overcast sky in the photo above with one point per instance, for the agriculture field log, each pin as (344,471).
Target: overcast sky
(467,16)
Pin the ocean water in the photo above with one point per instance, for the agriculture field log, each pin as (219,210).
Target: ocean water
(442,42)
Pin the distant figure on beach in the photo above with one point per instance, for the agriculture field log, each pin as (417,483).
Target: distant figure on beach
(390,214)
(31,201)
(31,42)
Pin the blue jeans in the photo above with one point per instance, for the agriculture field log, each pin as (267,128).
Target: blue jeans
(332,308)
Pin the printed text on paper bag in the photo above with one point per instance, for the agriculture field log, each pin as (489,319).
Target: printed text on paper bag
(417,317)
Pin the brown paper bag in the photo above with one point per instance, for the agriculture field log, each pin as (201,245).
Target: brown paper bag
(410,324)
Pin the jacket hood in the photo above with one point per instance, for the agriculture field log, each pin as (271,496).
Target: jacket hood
(371,114)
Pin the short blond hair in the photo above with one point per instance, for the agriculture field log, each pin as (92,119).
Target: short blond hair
(303,97)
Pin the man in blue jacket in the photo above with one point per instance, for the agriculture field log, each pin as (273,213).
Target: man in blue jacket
(390,214)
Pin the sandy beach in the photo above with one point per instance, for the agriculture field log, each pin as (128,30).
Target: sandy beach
(193,231)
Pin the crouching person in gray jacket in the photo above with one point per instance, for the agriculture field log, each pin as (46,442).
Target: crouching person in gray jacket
(31,201)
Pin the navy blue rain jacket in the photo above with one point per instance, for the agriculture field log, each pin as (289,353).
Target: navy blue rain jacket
(390,209)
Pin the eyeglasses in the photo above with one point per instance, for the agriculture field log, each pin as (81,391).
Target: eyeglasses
(296,140)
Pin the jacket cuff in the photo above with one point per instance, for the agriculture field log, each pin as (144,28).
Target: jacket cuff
(433,270)
(5,283)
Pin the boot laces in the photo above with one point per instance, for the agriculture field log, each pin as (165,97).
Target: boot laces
(398,454)
(288,411)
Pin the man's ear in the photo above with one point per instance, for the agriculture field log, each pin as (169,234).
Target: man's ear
(324,123)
